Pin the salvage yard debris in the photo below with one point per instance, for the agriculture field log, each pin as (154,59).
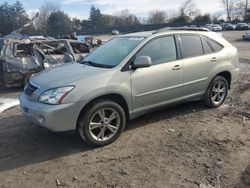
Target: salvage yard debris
(20,56)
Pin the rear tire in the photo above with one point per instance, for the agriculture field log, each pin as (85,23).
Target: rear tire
(216,93)
(101,123)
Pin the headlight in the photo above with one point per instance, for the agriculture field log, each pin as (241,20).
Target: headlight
(56,95)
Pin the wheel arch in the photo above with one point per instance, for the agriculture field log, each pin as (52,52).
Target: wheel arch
(115,97)
(227,75)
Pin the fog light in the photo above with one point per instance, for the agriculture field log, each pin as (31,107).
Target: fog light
(41,119)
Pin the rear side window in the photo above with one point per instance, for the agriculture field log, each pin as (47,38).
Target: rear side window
(215,45)
(206,46)
(191,46)
(161,50)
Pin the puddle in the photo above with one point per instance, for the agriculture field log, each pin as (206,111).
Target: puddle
(6,103)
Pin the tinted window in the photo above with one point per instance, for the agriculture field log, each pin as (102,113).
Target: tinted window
(206,46)
(215,45)
(191,46)
(160,50)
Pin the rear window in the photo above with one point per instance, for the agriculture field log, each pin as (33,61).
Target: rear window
(215,45)
(191,46)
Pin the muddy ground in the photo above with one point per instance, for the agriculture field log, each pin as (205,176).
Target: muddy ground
(184,146)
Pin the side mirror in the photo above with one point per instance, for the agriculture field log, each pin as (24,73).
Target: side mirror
(142,62)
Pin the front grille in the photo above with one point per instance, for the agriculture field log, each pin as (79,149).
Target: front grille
(30,89)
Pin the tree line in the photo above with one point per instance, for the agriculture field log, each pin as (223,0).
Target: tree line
(237,9)
(50,20)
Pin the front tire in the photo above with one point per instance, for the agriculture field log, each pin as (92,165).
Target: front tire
(216,93)
(101,123)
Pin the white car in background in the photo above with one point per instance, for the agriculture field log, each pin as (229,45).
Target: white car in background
(216,27)
(209,26)
(246,36)
(115,32)
(213,27)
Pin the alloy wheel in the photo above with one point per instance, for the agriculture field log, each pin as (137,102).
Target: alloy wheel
(218,93)
(104,124)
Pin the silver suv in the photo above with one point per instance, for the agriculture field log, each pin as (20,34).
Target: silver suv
(129,76)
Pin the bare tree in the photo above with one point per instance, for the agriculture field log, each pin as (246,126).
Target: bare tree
(188,9)
(123,13)
(172,13)
(157,17)
(229,6)
(122,18)
(44,12)
(241,9)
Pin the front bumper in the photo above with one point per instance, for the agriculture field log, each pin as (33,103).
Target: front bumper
(56,118)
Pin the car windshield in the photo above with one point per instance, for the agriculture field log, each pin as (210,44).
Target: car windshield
(113,52)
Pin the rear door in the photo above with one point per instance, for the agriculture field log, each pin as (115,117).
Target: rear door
(198,61)
(161,83)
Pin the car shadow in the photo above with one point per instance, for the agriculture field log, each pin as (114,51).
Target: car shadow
(244,179)
(166,113)
(23,143)
(241,40)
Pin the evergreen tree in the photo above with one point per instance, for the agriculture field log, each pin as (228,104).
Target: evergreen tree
(12,17)
(6,20)
(95,17)
(20,15)
(59,23)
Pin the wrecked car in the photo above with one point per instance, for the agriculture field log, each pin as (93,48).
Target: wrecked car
(62,51)
(20,58)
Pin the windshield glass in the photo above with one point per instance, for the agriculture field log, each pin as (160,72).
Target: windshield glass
(113,52)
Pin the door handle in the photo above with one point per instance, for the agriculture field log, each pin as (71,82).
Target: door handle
(214,59)
(176,67)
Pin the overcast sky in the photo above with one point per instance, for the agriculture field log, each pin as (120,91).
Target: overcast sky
(80,8)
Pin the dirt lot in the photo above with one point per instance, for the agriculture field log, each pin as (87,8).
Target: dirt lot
(184,146)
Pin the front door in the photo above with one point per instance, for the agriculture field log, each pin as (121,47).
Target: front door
(162,82)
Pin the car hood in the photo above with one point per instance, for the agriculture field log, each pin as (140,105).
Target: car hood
(65,74)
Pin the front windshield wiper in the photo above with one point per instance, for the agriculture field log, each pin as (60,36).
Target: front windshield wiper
(91,63)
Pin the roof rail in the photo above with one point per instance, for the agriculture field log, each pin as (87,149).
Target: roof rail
(183,29)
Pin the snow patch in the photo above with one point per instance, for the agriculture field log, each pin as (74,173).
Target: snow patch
(6,103)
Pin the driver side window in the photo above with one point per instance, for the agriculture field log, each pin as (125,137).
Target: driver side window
(160,50)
